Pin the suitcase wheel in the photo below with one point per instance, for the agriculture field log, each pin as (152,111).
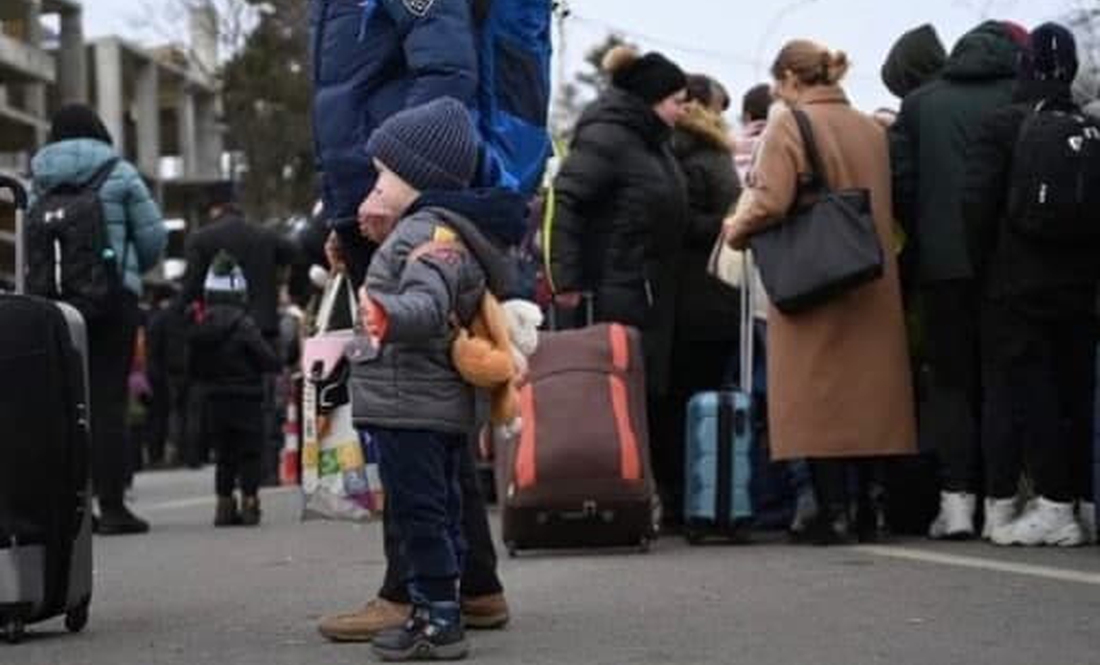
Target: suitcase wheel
(512,549)
(14,631)
(693,536)
(77,618)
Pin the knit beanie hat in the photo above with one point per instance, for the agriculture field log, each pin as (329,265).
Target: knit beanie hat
(1052,55)
(431,147)
(225,282)
(651,77)
(77,121)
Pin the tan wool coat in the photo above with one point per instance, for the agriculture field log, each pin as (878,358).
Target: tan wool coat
(838,376)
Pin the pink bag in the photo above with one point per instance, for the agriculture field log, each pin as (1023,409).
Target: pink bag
(340,477)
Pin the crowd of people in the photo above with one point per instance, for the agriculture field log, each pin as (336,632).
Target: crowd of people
(976,346)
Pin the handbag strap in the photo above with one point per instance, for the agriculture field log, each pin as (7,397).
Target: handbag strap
(816,179)
(330,301)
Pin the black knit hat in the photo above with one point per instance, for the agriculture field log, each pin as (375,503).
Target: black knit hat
(651,77)
(431,147)
(1052,56)
(77,121)
(220,194)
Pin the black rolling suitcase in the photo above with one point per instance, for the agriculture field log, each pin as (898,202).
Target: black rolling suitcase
(45,480)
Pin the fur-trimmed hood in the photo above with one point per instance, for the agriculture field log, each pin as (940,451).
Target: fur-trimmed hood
(699,126)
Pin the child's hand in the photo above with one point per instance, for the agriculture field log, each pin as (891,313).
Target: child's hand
(374,318)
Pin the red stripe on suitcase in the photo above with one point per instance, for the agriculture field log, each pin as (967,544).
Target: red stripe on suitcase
(628,440)
(620,348)
(629,457)
(525,456)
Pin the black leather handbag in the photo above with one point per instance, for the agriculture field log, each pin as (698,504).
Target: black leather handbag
(823,249)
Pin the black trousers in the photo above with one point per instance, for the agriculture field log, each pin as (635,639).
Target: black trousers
(420,470)
(479,570)
(235,426)
(1039,374)
(110,353)
(951,414)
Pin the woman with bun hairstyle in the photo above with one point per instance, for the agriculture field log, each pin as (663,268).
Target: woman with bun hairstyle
(839,389)
(621,215)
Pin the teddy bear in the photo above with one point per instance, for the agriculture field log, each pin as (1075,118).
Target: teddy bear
(492,353)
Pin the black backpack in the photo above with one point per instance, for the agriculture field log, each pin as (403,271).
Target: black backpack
(69,254)
(1055,188)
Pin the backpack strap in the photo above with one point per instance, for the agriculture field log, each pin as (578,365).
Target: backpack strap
(96,181)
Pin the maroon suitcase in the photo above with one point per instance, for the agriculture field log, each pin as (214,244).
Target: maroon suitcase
(579,475)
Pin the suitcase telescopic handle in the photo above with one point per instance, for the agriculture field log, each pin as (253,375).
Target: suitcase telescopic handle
(21,201)
(748,346)
(588,306)
(18,192)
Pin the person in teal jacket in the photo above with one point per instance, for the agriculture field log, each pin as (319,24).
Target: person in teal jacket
(79,145)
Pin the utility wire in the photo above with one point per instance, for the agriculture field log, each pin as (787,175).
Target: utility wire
(725,56)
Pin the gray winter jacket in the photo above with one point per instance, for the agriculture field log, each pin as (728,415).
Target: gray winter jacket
(412,382)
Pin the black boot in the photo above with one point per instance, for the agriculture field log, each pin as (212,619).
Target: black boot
(226,514)
(250,511)
(829,527)
(871,515)
(431,633)
(117,520)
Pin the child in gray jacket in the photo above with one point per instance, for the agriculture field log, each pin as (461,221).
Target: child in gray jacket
(428,276)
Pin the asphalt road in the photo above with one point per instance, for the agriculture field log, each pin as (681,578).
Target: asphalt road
(186,594)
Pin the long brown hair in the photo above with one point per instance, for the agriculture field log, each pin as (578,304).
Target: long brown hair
(811,63)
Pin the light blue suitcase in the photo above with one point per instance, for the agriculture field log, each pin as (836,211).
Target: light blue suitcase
(719,438)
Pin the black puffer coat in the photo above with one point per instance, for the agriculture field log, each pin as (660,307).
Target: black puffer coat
(1009,264)
(619,223)
(928,152)
(228,353)
(706,309)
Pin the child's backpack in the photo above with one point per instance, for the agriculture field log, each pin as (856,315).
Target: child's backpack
(1055,188)
(69,254)
(514,48)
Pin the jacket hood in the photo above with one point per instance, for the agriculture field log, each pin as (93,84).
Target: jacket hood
(698,127)
(915,59)
(500,214)
(985,53)
(489,255)
(618,107)
(219,323)
(69,162)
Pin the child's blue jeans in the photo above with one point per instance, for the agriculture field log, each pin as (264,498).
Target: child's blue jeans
(420,473)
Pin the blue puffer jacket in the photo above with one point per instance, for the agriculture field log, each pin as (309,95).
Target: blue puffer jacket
(372,59)
(128,208)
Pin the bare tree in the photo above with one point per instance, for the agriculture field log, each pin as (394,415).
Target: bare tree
(179,23)
(573,95)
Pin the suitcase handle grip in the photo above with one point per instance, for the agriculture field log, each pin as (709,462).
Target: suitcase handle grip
(18,192)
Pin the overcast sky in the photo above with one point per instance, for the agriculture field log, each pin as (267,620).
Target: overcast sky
(734,40)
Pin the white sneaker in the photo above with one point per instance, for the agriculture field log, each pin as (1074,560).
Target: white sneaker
(1086,517)
(1048,523)
(999,513)
(956,518)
